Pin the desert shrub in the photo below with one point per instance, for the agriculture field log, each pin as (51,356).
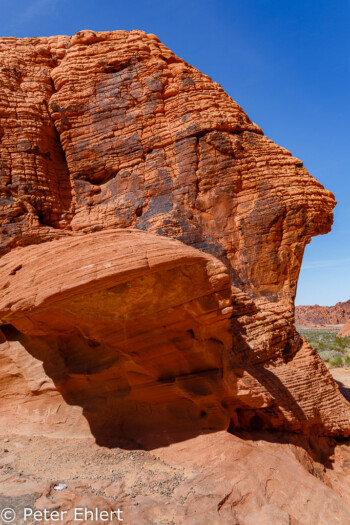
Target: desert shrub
(347,360)
(325,355)
(327,341)
(336,361)
(335,353)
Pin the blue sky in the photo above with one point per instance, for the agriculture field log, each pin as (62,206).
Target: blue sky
(285,62)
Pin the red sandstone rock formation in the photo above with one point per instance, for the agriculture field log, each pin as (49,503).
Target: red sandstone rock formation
(131,326)
(110,131)
(136,329)
(345,331)
(151,241)
(322,315)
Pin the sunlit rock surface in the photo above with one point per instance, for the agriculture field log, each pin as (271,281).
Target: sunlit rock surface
(151,242)
(345,331)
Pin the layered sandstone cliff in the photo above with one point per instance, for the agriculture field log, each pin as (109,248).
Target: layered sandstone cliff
(345,331)
(151,242)
(322,315)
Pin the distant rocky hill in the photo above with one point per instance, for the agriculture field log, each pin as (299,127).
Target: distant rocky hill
(322,315)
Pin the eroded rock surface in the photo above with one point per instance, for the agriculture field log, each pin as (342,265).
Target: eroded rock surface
(140,332)
(131,327)
(345,331)
(151,242)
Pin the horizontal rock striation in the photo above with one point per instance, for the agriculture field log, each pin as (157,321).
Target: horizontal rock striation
(136,333)
(127,325)
(103,132)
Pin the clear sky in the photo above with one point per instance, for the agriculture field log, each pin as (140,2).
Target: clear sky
(286,62)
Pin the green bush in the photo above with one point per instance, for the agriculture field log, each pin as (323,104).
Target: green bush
(331,348)
(336,361)
(325,355)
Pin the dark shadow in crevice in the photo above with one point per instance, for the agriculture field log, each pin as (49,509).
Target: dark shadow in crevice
(344,389)
(88,374)
(314,453)
(268,423)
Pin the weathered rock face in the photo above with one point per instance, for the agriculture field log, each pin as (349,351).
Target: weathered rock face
(322,315)
(345,331)
(134,331)
(110,131)
(129,326)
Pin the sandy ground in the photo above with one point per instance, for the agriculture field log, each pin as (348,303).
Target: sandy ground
(30,468)
(188,483)
(319,328)
(217,478)
(342,377)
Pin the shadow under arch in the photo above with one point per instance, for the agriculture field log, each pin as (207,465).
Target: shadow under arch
(154,413)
